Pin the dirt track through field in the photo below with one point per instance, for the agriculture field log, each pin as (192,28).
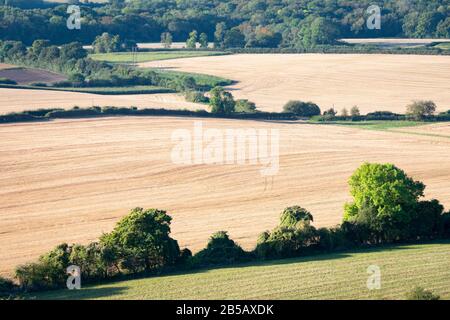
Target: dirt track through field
(70,181)
(372,82)
(16,100)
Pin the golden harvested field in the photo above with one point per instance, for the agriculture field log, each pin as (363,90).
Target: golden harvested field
(373,82)
(4,66)
(71,180)
(15,100)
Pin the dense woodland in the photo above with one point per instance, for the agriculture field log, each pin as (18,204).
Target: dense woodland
(230,23)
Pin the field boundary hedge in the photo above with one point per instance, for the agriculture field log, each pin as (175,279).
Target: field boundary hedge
(58,113)
(113,91)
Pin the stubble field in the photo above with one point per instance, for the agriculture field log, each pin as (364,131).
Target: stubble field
(16,100)
(373,82)
(72,180)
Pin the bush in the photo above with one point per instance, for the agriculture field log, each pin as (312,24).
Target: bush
(7,287)
(38,84)
(7,81)
(196,96)
(418,110)
(245,106)
(427,220)
(302,109)
(48,273)
(419,293)
(141,242)
(220,250)
(293,237)
(221,101)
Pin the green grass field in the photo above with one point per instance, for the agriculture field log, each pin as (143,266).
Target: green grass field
(334,276)
(127,57)
(443,46)
(377,125)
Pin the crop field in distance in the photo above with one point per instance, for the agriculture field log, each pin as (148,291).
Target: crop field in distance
(373,82)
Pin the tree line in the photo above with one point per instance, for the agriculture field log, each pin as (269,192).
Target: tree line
(386,209)
(72,60)
(233,23)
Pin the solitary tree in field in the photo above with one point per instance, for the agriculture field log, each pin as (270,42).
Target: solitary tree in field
(354,111)
(302,109)
(420,109)
(191,42)
(203,40)
(166,39)
(106,43)
(219,35)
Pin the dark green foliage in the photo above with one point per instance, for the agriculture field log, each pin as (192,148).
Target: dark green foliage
(302,109)
(419,293)
(255,23)
(221,101)
(7,288)
(386,196)
(107,43)
(220,250)
(293,237)
(141,241)
(48,273)
(245,106)
(196,96)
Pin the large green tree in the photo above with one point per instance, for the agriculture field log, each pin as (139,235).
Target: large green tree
(384,197)
(141,241)
(221,101)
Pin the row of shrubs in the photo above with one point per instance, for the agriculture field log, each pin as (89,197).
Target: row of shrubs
(417,110)
(76,112)
(386,209)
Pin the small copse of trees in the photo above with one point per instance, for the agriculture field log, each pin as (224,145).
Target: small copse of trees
(302,109)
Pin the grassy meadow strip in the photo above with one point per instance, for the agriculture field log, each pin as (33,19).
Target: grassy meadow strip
(333,276)
(128,57)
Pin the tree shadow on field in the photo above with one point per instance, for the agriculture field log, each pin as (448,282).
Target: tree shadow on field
(319,257)
(82,294)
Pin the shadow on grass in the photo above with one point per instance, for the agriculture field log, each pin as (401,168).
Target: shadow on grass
(90,292)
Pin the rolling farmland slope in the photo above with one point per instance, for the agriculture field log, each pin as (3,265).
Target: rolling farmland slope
(372,82)
(15,100)
(71,180)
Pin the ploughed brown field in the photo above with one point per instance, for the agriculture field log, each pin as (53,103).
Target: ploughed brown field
(72,180)
(373,82)
(16,100)
(26,76)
